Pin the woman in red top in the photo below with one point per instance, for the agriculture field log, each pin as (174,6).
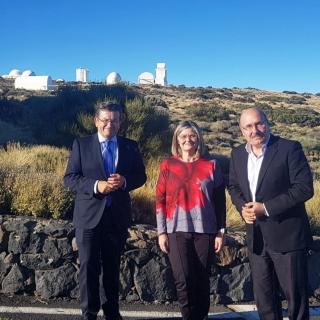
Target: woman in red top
(191,214)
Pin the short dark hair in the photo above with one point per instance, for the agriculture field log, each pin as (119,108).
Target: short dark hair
(110,105)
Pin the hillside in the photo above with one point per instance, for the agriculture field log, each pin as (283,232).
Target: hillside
(41,118)
(292,115)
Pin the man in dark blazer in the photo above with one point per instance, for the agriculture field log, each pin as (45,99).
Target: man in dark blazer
(269,182)
(103,168)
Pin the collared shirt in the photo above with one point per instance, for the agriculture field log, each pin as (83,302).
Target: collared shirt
(254,166)
(114,147)
(115,152)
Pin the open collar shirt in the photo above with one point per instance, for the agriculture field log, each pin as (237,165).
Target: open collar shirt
(254,166)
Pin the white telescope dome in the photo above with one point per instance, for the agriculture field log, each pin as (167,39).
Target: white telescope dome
(15,73)
(146,78)
(28,73)
(113,78)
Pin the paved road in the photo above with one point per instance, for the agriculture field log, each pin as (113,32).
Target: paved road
(31,308)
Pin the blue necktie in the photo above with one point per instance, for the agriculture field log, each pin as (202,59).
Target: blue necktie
(107,155)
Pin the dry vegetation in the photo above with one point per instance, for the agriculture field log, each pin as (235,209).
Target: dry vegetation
(292,115)
(28,174)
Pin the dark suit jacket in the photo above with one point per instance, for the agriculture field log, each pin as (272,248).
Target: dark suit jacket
(284,184)
(85,166)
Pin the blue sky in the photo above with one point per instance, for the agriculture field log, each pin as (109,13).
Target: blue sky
(270,44)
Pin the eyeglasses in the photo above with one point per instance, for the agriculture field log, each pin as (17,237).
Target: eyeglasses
(106,121)
(258,125)
(190,136)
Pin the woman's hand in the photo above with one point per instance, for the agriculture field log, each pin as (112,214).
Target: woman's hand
(218,242)
(163,243)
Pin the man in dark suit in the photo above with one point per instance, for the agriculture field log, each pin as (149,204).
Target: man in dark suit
(102,169)
(269,181)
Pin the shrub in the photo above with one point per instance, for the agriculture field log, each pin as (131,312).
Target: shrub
(296,100)
(289,92)
(208,112)
(34,195)
(31,181)
(313,207)
(57,118)
(155,101)
(274,99)
(302,117)
(149,126)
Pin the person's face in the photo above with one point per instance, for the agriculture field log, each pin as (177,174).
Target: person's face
(188,141)
(107,123)
(254,128)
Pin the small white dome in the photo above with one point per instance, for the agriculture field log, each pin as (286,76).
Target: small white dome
(15,73)
(113,78)
(28,73)
(146,78)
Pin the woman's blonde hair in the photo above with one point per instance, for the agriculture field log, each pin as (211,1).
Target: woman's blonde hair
(175,149)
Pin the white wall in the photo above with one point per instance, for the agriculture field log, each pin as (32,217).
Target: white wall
(33,83)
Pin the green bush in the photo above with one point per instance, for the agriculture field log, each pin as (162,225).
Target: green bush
(302,117)
(147,125)
(296,100)
(208,112)
(57,118)
(274,99)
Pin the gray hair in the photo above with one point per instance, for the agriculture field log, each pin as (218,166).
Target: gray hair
(258,110)
(175,149)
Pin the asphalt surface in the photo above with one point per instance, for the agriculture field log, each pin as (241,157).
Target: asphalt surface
(131,311)
(18,301)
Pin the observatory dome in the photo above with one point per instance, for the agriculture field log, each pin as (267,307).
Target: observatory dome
(113,78)
(28,73)
(15,73)
(146,78)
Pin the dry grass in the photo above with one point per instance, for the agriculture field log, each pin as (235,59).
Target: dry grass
(38,158)
(313,209)
(31,181)
(143,199)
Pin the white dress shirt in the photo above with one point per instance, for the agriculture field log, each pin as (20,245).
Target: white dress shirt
(254,166)
(101,140)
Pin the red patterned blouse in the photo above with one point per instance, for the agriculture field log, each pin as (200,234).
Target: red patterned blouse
(190,197)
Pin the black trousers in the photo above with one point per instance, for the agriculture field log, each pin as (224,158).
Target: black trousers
(189,257)
(270,271)
(99,253)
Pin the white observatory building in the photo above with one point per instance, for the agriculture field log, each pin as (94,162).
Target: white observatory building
(33,83)
(161,74)
(146,78)
(113,78)
(82,75)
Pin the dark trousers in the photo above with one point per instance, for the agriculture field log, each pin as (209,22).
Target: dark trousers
(100,247)
(270,271)
(189,257)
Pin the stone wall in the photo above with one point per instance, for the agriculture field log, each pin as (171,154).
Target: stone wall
(40,257)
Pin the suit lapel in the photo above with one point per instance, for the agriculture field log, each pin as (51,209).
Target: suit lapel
(120,154)
(97,151)
(243,165)
(272,149)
